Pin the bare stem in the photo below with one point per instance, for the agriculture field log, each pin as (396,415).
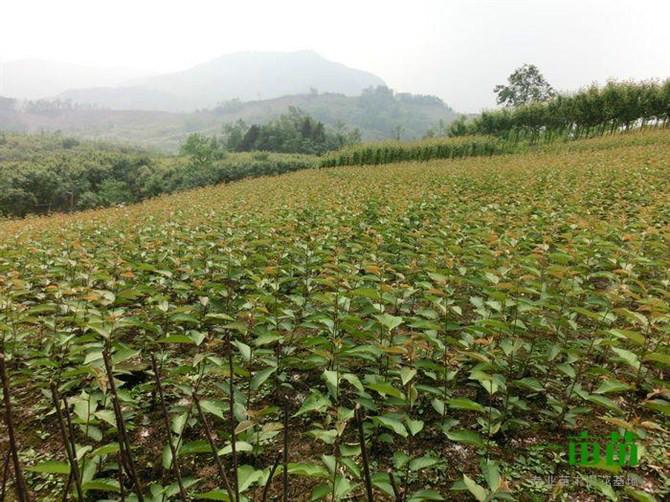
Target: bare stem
(364,453)
(124,442)
(166,422)
(67,441)
(21,489)
(213,447)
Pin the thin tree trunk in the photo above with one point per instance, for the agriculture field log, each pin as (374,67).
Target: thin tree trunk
(285,452)
(166,422)
(213,447)
(364,454)
(233,436)
(266,488)
(121,427)
(21,490)
(67,441)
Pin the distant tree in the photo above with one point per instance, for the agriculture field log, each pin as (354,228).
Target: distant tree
(202,149)
(525,85)
(249,140)
(234,134)
(458,127)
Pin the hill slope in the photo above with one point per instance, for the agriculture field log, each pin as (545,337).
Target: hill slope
(477,310)
(377,115)
(245,76)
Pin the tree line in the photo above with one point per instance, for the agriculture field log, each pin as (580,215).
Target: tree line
(595,110)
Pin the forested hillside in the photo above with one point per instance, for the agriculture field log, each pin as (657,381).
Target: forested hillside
(378,113)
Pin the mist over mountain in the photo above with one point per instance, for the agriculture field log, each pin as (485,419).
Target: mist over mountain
(38,79)
(244,75)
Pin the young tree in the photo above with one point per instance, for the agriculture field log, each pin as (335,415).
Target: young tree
(525,85)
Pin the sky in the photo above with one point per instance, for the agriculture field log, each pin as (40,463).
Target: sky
(455,49)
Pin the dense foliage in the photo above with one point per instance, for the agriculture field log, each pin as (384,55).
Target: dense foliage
(592,111)
(46,173)
(480,312)
(293,132)
(524,86)
(384,152)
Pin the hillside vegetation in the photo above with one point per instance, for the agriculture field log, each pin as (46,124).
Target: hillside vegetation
(50,173)
(425,331)
(378,114)
(596,110)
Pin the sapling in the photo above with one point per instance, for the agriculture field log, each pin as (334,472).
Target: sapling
(166,422)
(364,453)
(124,441)
(68,439)
(212,444)
(21,490)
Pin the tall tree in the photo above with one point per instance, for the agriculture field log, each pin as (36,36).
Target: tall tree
(525,85)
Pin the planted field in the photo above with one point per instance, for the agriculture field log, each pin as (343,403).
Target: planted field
(425,331)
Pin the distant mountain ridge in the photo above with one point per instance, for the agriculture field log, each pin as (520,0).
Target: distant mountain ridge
(40,79)
(244,75)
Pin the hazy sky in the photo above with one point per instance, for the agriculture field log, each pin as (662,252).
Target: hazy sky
(456,49)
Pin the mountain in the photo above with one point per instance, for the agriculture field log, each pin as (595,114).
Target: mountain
(37,79)
(244,76)
(378,114)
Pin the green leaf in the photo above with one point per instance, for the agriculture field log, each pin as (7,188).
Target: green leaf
(659,405)
(406,375)
(466,436)
(353,380)
(658,357)
(195,447)
(530,383)
(51,467)
(309,470)
(320,491)
(639,495)
(604,401)
(608,386)
(388,321)
(107,416)
(176,339)
(184,319)
(216,408)
(634,336)
(314,402)
(101,485)
(385,389)
(464,404)
(213,495)
(422,495)
(247,476)
(244,349)
(239,446)
(492,475)
(479,492)
(197,336)
(414,426)
(261,376)
(108,449)
(393,424)
(629,357)
(330,377)
(604,488)
(423,463)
